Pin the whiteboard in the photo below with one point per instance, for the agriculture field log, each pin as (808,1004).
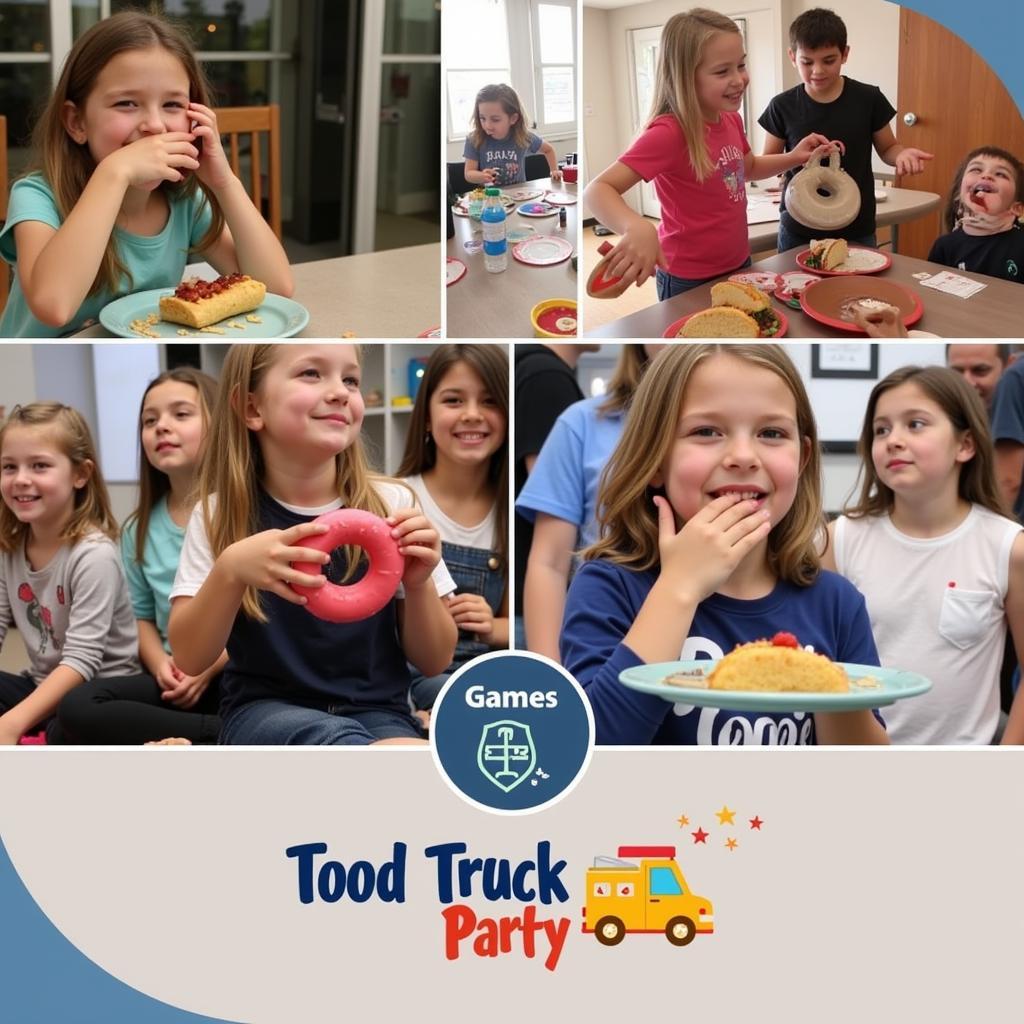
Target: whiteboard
(121,373)
(839,404)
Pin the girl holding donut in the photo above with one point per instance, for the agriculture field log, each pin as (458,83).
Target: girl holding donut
(456,460)
(710,516)
(284,449)
(174,416)
(695,151)
(929,515)
(130,178)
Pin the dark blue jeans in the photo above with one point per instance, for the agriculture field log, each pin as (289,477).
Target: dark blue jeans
(475,571)
(279,723)
(669,285)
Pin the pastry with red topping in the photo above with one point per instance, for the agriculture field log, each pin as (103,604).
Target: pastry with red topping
(197,303)
(778,665)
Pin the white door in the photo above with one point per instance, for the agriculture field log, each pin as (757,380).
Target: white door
(645,61)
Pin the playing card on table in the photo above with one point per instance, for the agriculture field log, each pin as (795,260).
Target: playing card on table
(953,284)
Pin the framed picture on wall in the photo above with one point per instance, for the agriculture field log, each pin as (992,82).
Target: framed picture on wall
(850,359)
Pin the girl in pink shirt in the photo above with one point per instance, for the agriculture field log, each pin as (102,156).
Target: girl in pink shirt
(694,150)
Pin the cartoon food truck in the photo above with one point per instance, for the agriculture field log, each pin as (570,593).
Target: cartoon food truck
(643,890)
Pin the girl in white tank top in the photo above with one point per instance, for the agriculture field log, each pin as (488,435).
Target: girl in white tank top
(938,560)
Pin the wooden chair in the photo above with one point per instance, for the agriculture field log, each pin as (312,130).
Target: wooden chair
(252,121)
(5,271)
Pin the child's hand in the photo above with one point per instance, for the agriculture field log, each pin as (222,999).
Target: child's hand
(168,675)
(155,158)
(472,612)
(880,322)
(816,147)
(418,541)
(214,170)
(187,690)
(490,175)
(912,161)
(556,174)
(706,551)
(637,254)
(264,560)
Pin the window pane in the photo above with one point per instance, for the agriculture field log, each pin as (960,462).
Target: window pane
(217,24)
(559,101)
(244,83)
(84,14)
(462,89)
(412,26)
(555,27)
(24,88)
(476,34)
(24,28)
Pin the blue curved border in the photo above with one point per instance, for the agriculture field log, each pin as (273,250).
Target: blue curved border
(999,44)
(44,979)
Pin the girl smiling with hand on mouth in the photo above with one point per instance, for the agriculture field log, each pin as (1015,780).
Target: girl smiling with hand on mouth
(711,524)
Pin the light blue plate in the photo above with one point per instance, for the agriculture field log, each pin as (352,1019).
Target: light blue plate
(893,685)
(281,318)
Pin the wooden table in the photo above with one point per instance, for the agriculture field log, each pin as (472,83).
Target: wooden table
(995,312)
(394,293)
(483,305)
(901,205)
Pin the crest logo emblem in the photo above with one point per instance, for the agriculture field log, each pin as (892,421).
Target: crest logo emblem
(506,755)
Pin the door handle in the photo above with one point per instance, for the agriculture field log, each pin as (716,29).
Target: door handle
(653,900)
(910,119)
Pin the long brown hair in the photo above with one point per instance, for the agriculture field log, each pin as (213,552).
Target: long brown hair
(962,405)
(627,515)
(67,165)
(683,41)
(154,484)
(490,364)
(510,103)
(232,468)
(633,360)
(953,211)
(92,509)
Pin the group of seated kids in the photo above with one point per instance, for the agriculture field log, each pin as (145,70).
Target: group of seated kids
(696,495)
(694,149)
(185,626)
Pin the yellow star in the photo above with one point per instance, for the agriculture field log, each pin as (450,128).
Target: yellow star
(725,816)
(683,821)
(731,843)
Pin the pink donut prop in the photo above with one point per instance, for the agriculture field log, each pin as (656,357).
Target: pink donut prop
(823,198)
(354,601)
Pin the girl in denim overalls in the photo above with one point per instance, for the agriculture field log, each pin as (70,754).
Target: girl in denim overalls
(456,460)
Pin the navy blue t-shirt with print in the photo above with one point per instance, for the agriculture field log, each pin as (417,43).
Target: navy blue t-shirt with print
(604,600)
(294,656)
(504,155)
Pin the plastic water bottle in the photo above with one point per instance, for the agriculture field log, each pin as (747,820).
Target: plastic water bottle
(495,242)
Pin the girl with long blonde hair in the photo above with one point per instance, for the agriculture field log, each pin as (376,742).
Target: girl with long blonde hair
(61,581)
(163,702)
(930,518)
(130,177)
(710,516)
(284,448)
(693,148)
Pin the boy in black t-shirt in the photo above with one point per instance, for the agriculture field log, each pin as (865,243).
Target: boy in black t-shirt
(841,108)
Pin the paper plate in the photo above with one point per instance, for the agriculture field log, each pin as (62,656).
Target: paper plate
(766,280)
(673,329)
(830,299)
(892,685)
(455,270)
(521,194)
(280,318)
(861,260)
(537,210)
(542,250)
(561,198)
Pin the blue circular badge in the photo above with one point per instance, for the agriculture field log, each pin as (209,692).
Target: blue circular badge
(512,732)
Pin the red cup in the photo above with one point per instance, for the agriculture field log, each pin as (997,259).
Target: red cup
(570,172)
